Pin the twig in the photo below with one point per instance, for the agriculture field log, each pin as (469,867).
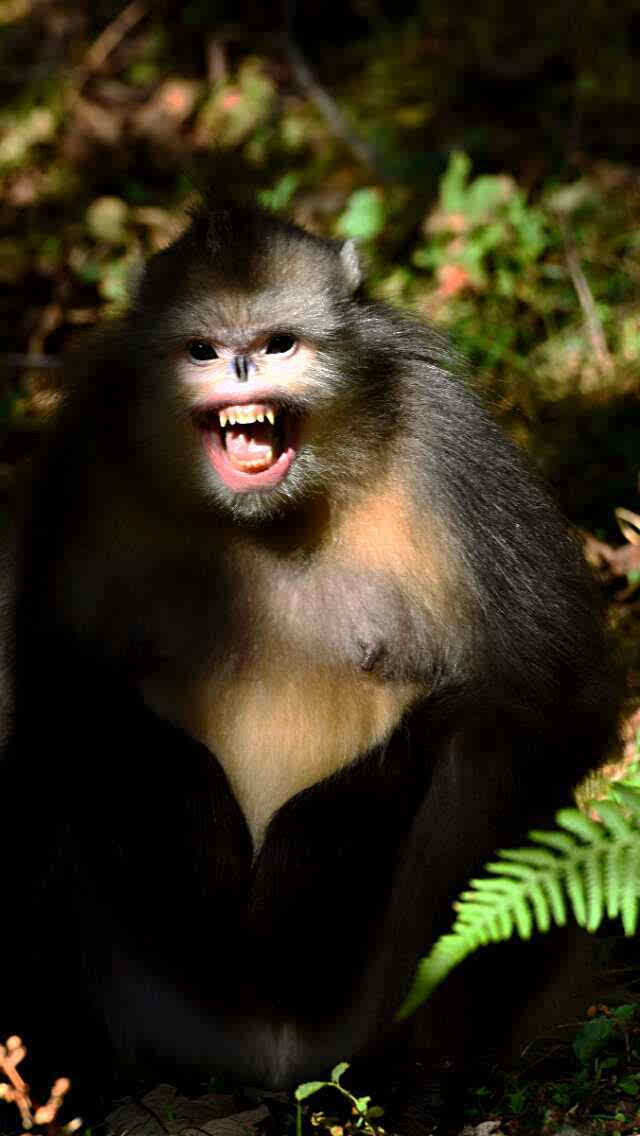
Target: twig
(585,297)
(16,1090)
(328,107)
(106,42)
(114,32)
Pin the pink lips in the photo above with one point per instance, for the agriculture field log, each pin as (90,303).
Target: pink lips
(206,419)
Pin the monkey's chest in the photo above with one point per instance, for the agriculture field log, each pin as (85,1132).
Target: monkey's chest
(277,728)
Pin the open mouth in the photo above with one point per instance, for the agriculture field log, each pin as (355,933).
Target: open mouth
(250,446)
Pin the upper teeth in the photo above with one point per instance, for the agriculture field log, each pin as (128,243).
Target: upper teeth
(245,414)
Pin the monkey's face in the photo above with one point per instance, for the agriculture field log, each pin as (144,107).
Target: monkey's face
(244,398)
(263,394)
(269,412)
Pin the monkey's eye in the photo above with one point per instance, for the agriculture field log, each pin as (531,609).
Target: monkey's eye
(202,351)
(280,344)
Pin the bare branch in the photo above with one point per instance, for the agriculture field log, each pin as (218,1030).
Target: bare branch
(328,108)
(587,303)
(107,42)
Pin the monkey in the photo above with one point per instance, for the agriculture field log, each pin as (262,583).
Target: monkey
(294,641)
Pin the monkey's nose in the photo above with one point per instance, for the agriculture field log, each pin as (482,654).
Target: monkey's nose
(241,367)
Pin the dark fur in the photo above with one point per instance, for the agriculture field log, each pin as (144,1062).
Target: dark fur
(139,919)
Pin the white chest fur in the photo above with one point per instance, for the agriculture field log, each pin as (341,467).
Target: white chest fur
(283,708)
(280,727)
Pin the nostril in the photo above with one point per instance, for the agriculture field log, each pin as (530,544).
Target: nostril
(241,365)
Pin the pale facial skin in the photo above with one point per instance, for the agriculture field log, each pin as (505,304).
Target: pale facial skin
(235,390)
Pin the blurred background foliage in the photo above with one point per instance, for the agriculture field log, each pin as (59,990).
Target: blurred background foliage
(485,157)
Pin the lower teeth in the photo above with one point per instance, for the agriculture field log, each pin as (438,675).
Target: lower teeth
(257,464)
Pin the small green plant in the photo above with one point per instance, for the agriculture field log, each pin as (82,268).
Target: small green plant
(362,1111)
(484,226)
(589,868)
(598,1082)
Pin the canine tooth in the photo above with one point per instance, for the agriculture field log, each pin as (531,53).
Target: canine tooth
(261,418)
(223,418)
(271,417)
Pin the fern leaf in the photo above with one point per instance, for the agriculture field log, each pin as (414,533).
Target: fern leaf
(587,867)
(506,923)
(510,868)
(594,889)
(523,917)
(540,905)
(492,884)
(629,890)
(611,816)
(432,970)
(614,872)
(551,885)
(630,798)
(559,840)
(575,891)
(534,857)
(577,823)
(478,899)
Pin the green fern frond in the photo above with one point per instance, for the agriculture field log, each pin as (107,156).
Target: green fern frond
(630,798)
(590,868)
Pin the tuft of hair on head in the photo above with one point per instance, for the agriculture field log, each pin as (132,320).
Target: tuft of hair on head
(222,221)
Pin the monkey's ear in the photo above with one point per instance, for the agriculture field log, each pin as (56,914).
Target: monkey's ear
(351,265)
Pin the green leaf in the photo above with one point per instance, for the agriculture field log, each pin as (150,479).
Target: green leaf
(612,817)
(280,195)
(592,863)
(554,891)
(538,857)
(540,907)
(486,193)
(629,896)
(575,889)
(509,868)
(524,921)
(624,1013)
(613,878)
(629,797)
(559,840)
(595,892)
(308,1089)
(453,188)
(579,824)
(591,1038)
(338,1070)
(364,217)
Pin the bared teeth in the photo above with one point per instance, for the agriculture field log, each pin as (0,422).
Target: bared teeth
(263,462)
(244,415)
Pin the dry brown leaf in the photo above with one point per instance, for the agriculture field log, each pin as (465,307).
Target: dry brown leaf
(163,1112)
